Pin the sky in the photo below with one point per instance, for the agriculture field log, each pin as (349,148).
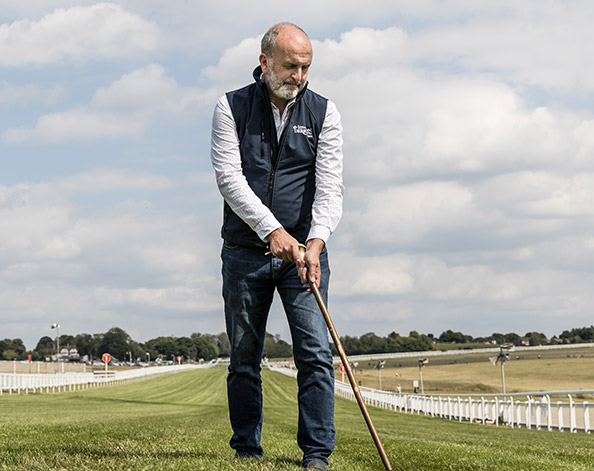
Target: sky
(468,163)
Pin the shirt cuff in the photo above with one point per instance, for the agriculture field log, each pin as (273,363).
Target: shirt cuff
(266,226)
(319,232)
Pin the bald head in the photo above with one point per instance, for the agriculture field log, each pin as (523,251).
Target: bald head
(286,31)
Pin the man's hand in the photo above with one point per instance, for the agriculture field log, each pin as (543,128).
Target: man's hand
(311,270)
(284,246)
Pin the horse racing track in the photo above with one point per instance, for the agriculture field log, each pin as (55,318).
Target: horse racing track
(179,422)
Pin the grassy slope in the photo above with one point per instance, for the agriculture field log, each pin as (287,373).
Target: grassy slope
(554,371)
(179,422)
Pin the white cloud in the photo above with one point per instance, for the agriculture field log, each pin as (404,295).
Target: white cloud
(539,43)
(510,211)
(33,227)
(478,297)
(39,223)
(542,195)
(444,126)
(140,91)
(109,179)
(570,252)
(376,277)
(235,66)
(360,49)
(198,299)
(37,8)
(107,259)
(124,109)
(405,215)
(79,124)
(584,134)
(80,33)
(11,94)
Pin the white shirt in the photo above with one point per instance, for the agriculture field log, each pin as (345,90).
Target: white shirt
(226,161)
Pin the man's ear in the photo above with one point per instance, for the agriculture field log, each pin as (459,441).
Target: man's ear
(264,63)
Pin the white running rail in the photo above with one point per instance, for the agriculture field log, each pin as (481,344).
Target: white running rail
(535,410)
(60,382)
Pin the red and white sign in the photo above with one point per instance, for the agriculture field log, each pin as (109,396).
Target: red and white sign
(106,358)
(341,368)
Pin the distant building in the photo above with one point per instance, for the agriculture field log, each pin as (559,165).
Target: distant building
(67,353)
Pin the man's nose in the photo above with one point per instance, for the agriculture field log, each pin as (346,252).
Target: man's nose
(298,75)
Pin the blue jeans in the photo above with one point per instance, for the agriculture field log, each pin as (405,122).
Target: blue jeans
(249,281)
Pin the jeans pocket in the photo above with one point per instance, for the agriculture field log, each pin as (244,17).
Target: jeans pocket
(230,246)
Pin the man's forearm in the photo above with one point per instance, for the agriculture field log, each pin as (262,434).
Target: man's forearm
(233,186)
(327,206)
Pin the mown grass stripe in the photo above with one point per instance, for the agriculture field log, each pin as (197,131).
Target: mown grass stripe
(179,422)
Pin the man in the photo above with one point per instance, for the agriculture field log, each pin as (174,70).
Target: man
(277,154)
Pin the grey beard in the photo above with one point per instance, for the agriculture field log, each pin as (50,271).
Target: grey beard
(280,89)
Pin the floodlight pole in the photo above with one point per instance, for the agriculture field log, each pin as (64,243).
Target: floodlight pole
(380,377)
(502,358)
(57,327)
(502,377)
(379,367)
(422,363)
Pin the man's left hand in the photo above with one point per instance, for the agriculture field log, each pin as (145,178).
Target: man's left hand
(311,271)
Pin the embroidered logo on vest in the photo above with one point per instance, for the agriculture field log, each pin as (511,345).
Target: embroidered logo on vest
(307,132)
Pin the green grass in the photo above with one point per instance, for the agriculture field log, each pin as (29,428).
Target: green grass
(179,422)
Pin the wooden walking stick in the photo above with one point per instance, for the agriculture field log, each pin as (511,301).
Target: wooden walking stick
(349,371)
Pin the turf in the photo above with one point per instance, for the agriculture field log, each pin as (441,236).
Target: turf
(179,422)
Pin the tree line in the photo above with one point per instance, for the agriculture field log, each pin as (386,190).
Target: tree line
(122,347)
(371,343)
(207,347)
(576,335)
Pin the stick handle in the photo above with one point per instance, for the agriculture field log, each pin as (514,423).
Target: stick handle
(351,376)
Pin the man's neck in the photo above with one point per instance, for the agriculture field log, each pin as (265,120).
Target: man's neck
(280,103)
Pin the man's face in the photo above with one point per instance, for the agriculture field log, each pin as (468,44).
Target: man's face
(286,72)
(283,83)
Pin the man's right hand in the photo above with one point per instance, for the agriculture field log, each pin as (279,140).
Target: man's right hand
(284,246)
